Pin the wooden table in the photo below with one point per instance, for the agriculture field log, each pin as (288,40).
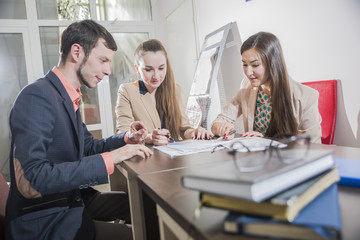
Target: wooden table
(155,188)
(176,206)
(157,163)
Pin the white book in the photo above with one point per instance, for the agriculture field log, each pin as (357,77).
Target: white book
(276,176)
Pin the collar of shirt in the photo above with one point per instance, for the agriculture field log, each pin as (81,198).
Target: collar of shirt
(74,94)
(142,88)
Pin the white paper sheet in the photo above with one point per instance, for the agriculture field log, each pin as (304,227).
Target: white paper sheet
(196,146)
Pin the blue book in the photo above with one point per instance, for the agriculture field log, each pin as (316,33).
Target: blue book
(348,171)
(318,220)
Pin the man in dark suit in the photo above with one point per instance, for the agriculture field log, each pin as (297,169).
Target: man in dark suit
(54,160)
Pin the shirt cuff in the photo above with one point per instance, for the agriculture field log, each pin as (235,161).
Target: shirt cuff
(126,138)
(109,163)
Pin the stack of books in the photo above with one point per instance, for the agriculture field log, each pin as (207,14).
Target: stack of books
(289,201)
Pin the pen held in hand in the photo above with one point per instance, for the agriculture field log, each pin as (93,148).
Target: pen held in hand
(230,133)
(170,138)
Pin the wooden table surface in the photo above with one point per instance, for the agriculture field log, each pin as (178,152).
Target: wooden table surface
(161,185)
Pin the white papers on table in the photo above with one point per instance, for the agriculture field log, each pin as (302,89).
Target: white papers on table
(196,146)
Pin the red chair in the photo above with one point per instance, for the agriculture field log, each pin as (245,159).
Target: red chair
(327,107)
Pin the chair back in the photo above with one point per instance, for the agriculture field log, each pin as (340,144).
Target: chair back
(327,107)
(4,191)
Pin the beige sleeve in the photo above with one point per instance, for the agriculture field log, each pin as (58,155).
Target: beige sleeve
(310,121)
(123,110)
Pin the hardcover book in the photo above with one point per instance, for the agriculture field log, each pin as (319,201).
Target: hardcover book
(318,220)
(283,206)
(225,179)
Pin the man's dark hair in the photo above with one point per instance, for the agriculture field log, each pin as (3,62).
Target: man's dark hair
(86,33)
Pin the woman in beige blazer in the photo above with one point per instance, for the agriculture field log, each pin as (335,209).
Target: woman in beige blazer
(155,99)
(270,102)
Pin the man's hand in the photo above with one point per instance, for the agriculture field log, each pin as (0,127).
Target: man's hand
(128,151)
(137,132)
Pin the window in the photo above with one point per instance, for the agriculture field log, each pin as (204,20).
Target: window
(123,10)
(36,44)
(106,10)
(12,9)
(13,79)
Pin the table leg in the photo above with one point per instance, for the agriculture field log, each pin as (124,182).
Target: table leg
(169,229)
(136,207)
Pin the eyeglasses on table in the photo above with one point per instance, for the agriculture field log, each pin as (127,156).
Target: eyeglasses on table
(286,148)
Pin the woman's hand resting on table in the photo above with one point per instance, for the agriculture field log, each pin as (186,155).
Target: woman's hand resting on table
(252,134)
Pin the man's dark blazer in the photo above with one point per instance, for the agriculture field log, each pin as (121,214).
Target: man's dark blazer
(53,161)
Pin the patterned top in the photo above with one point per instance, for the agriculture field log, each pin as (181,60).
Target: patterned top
(263,112)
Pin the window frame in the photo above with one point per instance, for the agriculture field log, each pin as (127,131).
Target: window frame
(30,29)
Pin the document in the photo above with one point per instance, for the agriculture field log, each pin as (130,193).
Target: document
(196,146)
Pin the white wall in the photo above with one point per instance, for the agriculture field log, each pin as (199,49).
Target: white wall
(320,40)
(176,29)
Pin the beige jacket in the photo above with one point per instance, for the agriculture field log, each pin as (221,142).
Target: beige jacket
(304,101)
(132,106)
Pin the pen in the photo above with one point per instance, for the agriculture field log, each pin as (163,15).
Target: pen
(230,133)
(169,137)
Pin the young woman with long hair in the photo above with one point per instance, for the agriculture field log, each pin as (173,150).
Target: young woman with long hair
(155,99)
(271,103)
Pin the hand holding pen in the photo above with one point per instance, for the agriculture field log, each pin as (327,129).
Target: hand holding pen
(161,137)
(228,136)
(222,129)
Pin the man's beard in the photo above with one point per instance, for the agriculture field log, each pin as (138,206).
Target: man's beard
(80,75)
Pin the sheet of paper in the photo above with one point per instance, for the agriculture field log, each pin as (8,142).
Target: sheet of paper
(196,146)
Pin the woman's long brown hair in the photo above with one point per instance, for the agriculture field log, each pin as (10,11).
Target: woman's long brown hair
(167,102)
(282,115)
